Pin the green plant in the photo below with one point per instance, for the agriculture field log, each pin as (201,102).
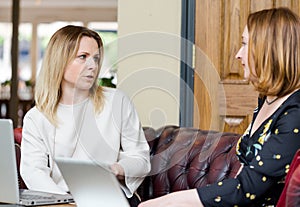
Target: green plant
(107,82)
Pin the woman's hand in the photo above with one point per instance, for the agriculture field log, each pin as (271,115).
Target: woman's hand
(118,171)
(185,198)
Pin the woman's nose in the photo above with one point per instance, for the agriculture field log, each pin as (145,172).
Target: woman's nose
(238,54)
(90,63)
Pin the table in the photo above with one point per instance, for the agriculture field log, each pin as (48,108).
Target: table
(58,205)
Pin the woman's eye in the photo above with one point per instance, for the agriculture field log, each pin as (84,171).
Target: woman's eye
(96,59)
(82,57)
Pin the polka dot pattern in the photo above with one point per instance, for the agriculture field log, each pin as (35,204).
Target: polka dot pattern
(258,157)
(218,199)
(277,157)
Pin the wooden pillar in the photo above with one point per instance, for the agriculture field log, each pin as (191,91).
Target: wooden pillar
(34,53)
(14,99)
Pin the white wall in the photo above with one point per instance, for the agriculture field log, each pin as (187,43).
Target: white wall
(149,58)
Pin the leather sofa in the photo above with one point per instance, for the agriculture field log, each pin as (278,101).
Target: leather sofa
(184,158)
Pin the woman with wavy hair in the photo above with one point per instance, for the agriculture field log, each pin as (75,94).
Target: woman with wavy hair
(270,55)
(75,117)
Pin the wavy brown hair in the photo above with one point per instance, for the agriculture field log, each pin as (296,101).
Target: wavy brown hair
(61,50)
(274,51)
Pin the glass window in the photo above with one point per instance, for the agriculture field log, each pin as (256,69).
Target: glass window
(5,56)
(25,34)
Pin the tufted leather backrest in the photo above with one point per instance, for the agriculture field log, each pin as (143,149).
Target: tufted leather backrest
(184,158)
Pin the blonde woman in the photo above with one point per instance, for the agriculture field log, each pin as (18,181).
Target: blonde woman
(270,54)
(75,117)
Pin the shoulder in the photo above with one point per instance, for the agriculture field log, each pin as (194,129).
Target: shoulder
(292,104)
(293,99)
(33,113)
(287,116)
(114,94)
(36,117)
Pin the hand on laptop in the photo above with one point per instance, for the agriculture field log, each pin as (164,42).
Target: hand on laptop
(118,171)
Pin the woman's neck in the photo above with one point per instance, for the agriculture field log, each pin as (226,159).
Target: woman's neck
(74,96)
(267,109)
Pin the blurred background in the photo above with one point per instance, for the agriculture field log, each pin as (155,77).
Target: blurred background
(38,20)
(175,59)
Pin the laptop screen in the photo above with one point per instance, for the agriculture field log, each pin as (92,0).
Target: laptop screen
(9,189)
(91,184)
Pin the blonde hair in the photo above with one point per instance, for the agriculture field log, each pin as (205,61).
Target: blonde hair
(274,51)
(62,49)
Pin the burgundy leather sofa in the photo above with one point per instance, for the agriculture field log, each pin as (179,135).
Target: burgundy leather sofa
(184,158)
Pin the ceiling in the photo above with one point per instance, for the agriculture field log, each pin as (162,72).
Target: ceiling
(41,11)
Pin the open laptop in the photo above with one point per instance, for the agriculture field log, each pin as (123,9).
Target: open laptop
(91,184)
(9,189)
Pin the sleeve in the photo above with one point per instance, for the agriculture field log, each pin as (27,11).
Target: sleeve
(134,156)
(35,165)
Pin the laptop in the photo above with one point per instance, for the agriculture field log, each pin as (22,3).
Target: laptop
(9,189)
(91,184)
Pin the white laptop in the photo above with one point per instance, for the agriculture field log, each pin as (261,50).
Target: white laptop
(91,184)
(9,189)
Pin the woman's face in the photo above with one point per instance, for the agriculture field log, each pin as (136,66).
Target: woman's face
(243,53)
(81,73)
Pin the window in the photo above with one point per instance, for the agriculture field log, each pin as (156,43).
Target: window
(107,30)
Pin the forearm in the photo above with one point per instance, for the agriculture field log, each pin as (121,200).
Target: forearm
(185,198)
(39,180)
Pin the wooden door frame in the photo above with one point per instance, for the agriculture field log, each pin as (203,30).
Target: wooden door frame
(186,109)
